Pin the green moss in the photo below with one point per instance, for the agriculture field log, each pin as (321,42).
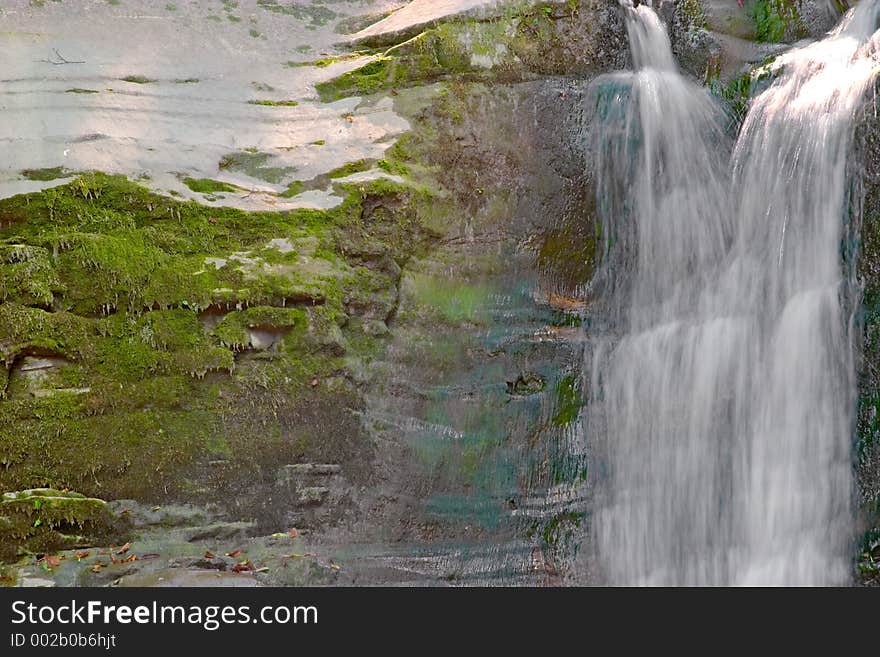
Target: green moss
(45,175)
(138,79)
(207,185)
(27,275)
(560,527)
(775,20)
(123,284)
(233,329)
(295,188)
(325,61)
(24,329)
(569,401)
(393,167)
(351,168)
(256,165)
(468,50)
(454,301)
(367,79)
(42,520)
(274,103)
(316,15)
(568,255)
(736,93)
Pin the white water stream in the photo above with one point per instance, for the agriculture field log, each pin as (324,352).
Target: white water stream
(724,409)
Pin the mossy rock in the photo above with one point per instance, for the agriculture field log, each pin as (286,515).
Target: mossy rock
(527,40)
(44,520)
(147,307)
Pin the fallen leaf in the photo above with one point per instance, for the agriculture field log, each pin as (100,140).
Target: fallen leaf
(209,555)
(314,382)
(242,567)
(212,220)
(234,553)
(130,558)
(82,555)
(124,511)
(97,567)
(125,548)
(52,561)
(292,533)
(155,508)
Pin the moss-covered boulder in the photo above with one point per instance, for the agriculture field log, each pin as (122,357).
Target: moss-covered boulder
(43,520)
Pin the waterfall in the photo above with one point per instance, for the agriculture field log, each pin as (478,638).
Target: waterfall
(723,395)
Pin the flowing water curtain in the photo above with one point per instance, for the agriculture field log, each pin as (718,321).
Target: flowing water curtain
(794,474)
(723,395)
(661,156)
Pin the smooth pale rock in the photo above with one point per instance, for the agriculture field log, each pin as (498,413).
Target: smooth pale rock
(35,583)
(727,17)
(30,363)
(51,392)
(186,577)
(200,74)
(421,12)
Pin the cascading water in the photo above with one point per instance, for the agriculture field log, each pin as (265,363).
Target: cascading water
(723,411)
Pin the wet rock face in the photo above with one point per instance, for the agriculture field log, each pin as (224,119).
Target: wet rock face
(867,194)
